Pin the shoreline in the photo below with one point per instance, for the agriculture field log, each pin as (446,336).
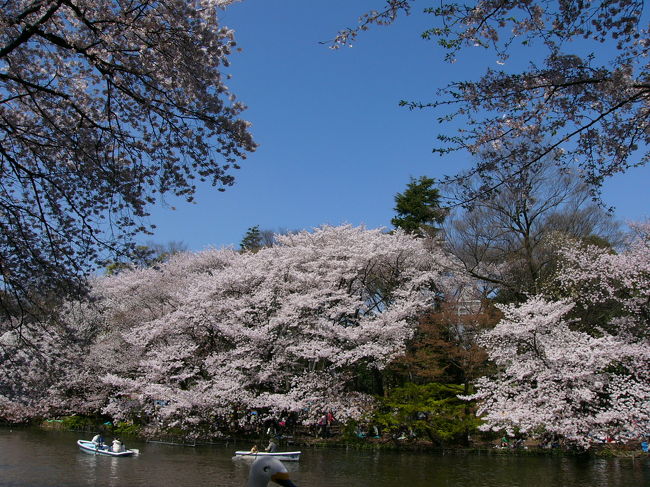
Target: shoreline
(310,442)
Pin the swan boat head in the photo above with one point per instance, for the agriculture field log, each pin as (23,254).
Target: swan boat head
(265,470)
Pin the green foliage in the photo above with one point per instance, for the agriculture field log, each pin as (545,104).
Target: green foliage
(418,208)
(96,423)
(252,240)
(431,411)
(79,423)
(350,431)
(126,429)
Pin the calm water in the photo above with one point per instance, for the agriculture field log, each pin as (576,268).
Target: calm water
(34,458)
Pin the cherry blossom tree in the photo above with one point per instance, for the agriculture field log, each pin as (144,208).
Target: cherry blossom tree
(559,376)
(583,98)
(209,337)
(49,376)
(104,106)
(618,284)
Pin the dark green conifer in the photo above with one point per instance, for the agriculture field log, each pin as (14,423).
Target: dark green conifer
(418,208)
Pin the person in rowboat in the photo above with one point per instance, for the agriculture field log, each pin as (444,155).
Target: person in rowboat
(273,446)
(98,440)
(117,445)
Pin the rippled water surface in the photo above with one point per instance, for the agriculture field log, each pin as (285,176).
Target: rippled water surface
(35,458)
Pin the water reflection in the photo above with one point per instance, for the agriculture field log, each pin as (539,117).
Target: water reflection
(32,458)
(99,468)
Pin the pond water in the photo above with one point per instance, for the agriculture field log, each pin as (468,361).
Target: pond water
(37,458)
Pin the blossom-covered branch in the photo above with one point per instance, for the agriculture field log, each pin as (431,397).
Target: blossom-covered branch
(104,105)
(585,103)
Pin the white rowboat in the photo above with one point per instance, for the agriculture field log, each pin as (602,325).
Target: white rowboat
(90,447)
(286,456)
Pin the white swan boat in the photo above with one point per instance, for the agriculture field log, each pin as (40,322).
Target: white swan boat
(263,471)
(285,456)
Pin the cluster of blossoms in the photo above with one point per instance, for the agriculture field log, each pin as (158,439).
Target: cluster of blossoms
(559,374)
(281,330)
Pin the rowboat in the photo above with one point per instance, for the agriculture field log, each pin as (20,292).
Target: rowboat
(287,456)
(90,447)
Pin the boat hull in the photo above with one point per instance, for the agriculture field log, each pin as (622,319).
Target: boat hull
(90,447)
(285,456)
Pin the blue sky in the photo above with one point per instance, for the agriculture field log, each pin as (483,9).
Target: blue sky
(335,147)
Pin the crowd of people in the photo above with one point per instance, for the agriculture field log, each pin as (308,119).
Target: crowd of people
(325,425)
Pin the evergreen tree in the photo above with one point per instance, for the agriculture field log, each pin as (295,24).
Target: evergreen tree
(418,208)
(252,239)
